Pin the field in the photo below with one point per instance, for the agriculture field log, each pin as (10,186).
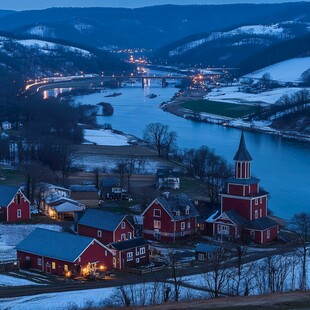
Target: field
(220,108)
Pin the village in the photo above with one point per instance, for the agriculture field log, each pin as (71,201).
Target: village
(172,230)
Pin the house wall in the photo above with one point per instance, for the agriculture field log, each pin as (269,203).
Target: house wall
(260,236)
(23,205)
(84,196)
(235,189)
(242,206)
(107,236)
(261,205)
(233,230)
(143,259)
(120,231)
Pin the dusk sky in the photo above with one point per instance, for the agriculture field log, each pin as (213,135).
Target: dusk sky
(41,4)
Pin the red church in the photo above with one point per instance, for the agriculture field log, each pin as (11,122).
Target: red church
(244,205)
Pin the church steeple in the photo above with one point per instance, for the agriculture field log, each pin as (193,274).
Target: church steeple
(242,161)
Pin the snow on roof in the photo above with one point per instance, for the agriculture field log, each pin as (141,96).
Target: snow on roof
(68,207)
(286,71)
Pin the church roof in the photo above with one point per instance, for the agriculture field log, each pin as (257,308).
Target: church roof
(242,153)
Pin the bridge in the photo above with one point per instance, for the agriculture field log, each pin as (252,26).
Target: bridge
(97,81)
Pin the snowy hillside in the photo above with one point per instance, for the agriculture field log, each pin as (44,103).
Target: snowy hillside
(275,30)
(285,71)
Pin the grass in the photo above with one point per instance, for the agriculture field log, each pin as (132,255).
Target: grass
(220,108)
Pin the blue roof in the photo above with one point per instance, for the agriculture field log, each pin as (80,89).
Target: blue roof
(83,188)
(54,244)
(6,194)
(206,248)
(101,219)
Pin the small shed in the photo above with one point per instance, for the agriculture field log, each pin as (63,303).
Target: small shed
(110,188)
(205,252)
(167,178)
(86,194)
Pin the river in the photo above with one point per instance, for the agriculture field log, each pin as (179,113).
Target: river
(282,165)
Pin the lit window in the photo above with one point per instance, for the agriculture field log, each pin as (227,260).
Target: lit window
(53,265)
(129,256)
(157,213)
(19,213)
(99,233)
(157,224)
(123,225)
(66,269)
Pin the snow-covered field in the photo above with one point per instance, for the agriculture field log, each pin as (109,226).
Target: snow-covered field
(105,137)
(234,95)
(285,71)
(141,294)
(11,235)
(12,281)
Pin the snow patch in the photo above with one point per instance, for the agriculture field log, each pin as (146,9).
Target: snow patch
(105,137)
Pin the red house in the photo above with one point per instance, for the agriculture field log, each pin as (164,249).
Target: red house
(63,253)
(14,206)
(170,218)
(106,227)
(244,205)
(130,253)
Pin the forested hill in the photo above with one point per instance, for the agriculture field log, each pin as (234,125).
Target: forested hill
(149,27)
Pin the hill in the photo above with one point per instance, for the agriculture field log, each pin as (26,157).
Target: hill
(148,27)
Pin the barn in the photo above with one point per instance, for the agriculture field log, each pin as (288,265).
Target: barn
(61,253)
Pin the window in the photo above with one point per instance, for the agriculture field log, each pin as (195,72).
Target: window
(142,251)
(157,224)
(187,210)
(123,225)
(123,237)
(256,214)
(19,213)
(177,213)
(256,201)
(39,261)
(105,253)
(157,213)
(188,225)
(223,229)
(260,213)
(129,256)
(137,260)
(18,199)
(268,234)
(182,233)
(182,225)
(53,265)
(260,200)
(66,269)
(201,256)
(129,235)
(99,233)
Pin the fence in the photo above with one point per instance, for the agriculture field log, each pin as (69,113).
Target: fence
(9,265)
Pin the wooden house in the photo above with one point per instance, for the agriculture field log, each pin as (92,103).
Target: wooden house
(107,227)
(131,253)
(167,178)
(61,253)
(14,205)
(86,194)
(205,252)
(170,218)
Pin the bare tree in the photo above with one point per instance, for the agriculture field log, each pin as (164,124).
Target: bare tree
(175,278)
(301,225)
(159,136)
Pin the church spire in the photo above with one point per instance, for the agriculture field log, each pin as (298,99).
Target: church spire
(242,161)
(242,153)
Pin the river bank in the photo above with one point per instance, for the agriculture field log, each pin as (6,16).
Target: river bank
(174,106)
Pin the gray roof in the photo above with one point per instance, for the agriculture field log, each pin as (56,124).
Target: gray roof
(166,173)
(236,217)
(178,203)
(54,244)
(206,248)
(261,223)
(242,153)
(6,194)
(101,219)
(83,188)
(129,244)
